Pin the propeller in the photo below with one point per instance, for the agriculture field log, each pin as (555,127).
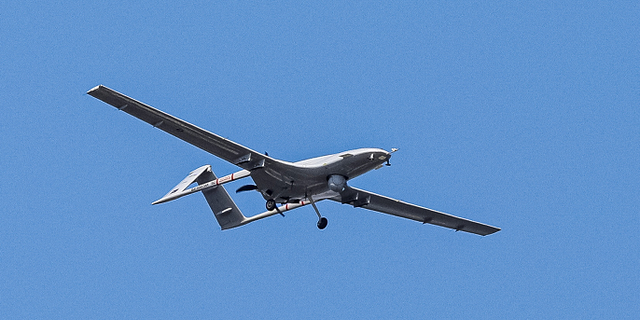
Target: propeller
(247,187)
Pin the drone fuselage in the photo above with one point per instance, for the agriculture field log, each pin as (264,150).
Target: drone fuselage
(310,177)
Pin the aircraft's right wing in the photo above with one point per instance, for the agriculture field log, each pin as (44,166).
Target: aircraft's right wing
(203,139)
(375,202)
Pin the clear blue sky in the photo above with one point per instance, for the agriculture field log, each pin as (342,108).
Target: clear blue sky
(524,116)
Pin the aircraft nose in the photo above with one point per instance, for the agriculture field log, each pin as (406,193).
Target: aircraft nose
(383,156)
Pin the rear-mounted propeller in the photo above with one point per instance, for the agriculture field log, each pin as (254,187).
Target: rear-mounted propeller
(248,187)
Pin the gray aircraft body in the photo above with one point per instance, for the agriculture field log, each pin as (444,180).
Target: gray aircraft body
(284,185)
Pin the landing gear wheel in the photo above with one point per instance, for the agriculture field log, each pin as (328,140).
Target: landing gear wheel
(271,205)
(322,223)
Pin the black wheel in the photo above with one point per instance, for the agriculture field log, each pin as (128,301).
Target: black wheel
(322,223)
(271,204)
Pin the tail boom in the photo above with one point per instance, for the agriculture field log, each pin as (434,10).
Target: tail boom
(179,191)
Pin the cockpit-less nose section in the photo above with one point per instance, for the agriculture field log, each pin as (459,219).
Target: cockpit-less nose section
(284,185)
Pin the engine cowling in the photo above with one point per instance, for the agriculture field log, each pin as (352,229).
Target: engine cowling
(337,182)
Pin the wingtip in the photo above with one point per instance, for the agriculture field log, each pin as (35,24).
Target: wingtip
(96,88)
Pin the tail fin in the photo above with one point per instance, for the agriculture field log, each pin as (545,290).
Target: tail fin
(223,207)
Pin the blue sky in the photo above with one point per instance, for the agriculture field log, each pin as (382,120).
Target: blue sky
(520,115)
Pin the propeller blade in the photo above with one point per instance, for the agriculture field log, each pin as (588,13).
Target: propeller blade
(247,187)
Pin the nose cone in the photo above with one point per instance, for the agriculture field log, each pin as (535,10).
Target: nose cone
(382,154)
(388,154)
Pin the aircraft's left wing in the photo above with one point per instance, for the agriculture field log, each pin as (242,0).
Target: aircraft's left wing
(375,202)
(203,139)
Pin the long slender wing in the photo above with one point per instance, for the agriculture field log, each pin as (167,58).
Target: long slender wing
(203,139)
(375,202)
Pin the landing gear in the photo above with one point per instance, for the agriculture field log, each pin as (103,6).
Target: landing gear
(271,205)
(322,221)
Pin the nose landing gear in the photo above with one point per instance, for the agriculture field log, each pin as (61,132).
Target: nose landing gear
(322,221)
